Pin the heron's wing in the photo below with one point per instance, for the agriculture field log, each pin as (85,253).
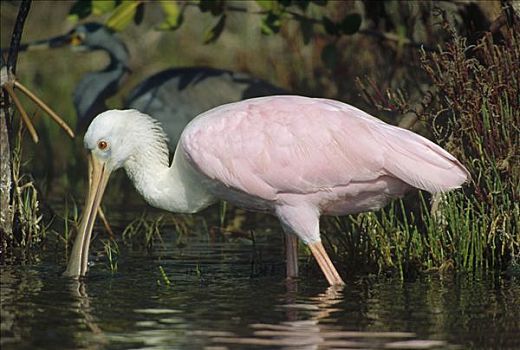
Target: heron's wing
(176,96)
(290,144)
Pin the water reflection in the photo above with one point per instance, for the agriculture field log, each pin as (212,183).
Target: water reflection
(239,300)
(82,305)
(310,325)
(36,313)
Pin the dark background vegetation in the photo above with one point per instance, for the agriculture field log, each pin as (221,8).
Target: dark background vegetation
(448,70)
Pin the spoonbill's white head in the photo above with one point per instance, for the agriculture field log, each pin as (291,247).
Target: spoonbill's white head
(117,136)
(115,139)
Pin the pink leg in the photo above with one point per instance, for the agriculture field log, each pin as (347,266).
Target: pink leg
(321,256)
(291,255)
(305,220)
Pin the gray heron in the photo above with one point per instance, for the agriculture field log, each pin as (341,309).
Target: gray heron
(173,96)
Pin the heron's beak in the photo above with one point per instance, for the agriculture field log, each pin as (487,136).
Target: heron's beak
(98,175)
(70,39)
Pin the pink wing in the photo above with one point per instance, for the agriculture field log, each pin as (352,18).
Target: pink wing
(291,144)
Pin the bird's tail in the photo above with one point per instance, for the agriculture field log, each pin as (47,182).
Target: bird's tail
(421,163)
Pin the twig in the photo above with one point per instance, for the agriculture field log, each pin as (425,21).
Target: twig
(23,113)
(397,38)
(108,228)
(45,107)
(412,116)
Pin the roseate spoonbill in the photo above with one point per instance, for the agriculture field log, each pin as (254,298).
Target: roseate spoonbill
(295,157)
(173,96)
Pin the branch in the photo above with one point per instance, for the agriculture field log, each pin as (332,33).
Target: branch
(45,107)
(17,34)
(397,38)
(23,113)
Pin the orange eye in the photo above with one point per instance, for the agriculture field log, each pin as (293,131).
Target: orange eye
(102,145)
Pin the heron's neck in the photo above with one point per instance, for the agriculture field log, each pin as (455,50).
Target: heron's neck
(96,87)
(176,188)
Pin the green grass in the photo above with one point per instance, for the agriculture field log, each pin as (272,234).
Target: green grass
(475,114)
(144,231)
(29,228)
(70,220)
(164,278)
(112,253)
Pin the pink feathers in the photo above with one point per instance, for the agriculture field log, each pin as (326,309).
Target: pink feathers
(279,145)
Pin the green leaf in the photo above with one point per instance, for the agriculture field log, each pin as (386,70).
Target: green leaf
(174,16)
(170,8)
(139,14)
(100,7)
(122,15)
(267,5)
(214,33)
(329,56)
(80,9)
(350,24)
(329,26)
(272,6)
(271,24)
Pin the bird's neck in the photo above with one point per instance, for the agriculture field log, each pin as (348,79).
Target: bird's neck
(118,52)
(176,188)
(96,87)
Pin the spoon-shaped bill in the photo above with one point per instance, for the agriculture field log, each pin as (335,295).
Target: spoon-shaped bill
(78,260)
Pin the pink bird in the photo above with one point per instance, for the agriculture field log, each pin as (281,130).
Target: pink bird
(295,157)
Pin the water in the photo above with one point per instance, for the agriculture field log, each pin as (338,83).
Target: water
(232,295)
